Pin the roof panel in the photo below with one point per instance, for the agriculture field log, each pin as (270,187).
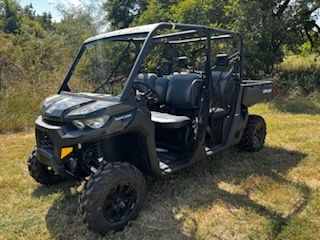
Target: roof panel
(148,28)
(126,31)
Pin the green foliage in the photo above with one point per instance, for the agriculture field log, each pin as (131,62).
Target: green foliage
(268,26)
(103,67)
(205,12)
(156,11)
(298,74)
(16,20)
(307,80)
(35,55)
(121,13)
(75,28)
(11,19)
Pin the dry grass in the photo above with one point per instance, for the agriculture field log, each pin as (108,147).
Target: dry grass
(274,194)
(20,104)
(295,63)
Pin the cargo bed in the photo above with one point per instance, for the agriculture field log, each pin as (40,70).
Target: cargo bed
(256,91)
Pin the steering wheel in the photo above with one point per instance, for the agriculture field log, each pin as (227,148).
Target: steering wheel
(146,91)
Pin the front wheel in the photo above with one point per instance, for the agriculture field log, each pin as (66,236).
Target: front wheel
(112,197)
(40,172)
(254,135)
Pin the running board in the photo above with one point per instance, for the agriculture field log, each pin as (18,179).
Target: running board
(168,162)
(215,149)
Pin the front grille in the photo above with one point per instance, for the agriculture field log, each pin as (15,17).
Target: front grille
(44,141)
(54,122)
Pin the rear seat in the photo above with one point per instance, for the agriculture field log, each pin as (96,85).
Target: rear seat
(181,92)
(223,87)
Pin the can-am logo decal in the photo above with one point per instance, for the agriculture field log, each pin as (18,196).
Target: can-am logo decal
(124,117)
(267,91)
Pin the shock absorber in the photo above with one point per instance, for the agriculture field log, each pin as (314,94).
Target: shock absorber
(100,157)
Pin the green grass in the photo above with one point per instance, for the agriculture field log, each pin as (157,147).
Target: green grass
(273,194)
(298,104)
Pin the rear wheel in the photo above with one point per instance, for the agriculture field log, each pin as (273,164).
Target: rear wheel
(40,172)
(254,135)
(112,197)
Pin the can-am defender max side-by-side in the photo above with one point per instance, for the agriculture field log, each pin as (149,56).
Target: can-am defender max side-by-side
(149,100)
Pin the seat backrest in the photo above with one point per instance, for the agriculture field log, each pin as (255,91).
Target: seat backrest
(223,85)
(160,84)
(184,91)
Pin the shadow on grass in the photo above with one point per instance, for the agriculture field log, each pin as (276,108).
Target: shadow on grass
(193,188)
(43,190)
(297,105)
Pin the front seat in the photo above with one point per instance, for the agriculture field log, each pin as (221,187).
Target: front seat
(167,120)
(181,98)
(160,84)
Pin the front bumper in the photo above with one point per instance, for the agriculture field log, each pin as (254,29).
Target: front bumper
(51,138)
(48,158)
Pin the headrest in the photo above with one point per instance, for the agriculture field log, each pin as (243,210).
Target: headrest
(183,62)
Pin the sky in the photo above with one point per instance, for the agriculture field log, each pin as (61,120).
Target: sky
(49,6)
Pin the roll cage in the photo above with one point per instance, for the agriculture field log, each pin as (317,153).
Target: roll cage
(147,36)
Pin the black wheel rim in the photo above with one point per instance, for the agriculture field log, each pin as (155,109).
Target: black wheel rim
(120,202)
(258,136)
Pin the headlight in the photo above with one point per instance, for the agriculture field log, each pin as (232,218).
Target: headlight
(98,122)
(94,123)
(79,124)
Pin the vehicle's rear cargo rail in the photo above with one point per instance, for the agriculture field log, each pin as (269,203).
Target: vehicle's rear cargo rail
(255,91)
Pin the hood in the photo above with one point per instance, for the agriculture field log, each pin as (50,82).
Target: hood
(65,106)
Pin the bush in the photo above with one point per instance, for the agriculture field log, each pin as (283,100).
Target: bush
(298,73)
(20,103)
(30,69)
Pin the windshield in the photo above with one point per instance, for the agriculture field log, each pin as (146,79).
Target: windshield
(104,67)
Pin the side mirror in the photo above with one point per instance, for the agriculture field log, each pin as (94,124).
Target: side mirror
(183,62)
(222,60)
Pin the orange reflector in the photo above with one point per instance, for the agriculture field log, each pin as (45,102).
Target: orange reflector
(65,152)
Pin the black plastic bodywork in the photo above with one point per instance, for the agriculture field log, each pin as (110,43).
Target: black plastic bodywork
(61,132)
(255,92)
(129,134)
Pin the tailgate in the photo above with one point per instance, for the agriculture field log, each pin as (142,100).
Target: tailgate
(255,91)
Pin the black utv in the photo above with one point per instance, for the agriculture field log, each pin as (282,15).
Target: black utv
(148,100)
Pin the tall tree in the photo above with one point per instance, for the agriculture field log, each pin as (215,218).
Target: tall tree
(121,13)
(305,15)
(11,19)
(45,20)
(268,26)
(155,11)
(76,27)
